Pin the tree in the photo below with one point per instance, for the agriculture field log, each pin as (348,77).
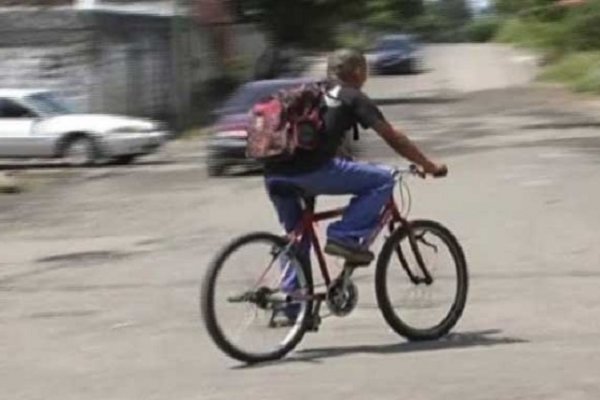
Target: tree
(516,6)
(583,26)
(392,13)
(456,12)
(314,21)
(301,22)
(410,9)
(545,10)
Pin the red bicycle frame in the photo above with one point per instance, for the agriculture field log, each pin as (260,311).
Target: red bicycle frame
(390,216)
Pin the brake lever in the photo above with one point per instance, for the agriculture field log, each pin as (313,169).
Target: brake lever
(417,171)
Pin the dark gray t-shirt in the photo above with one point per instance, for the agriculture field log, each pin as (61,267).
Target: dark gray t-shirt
(346,107)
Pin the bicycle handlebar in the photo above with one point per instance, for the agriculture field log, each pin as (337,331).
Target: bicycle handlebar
(414,169)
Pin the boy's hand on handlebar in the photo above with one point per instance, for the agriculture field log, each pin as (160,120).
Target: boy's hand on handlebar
(435,170)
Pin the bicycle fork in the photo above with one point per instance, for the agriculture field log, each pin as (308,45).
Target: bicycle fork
(412,239)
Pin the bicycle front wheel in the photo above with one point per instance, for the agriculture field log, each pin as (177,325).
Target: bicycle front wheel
(256,298)
(412,305)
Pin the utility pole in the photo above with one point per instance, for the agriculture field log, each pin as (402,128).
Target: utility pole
(180,37)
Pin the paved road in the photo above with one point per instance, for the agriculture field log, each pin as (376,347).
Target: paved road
(452,70)
(99,271)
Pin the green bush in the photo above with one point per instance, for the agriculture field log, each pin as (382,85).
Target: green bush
(590,82)
(569,41)
(520,6)
(436,28)
(577,30)
(482,29)
(514,30)
(427,26)
(356,40)
(580,71)
(532,33)
(583,25)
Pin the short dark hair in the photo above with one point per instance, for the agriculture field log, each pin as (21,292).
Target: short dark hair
(343,62)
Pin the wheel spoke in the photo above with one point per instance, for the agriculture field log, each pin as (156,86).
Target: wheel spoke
(413,309)
(238,311)
(246,322)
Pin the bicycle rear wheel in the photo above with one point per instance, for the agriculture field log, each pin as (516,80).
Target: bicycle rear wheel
(413,308)
(256,298)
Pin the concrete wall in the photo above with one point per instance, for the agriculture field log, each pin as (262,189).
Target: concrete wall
(103,62)
(34,3)
(133,64)
(47,49)
(115,62)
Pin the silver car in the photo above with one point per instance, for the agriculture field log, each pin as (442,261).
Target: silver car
(37,124)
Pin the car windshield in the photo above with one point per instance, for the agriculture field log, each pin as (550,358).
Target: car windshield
(49,104)
(248,95)
(393,44)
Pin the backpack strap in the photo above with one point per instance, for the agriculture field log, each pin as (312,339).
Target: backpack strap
(324,86)
(355,132)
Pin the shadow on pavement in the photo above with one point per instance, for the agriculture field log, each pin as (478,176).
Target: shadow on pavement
(419,71)
(240,173)
(563,125)
(415,100)
(460,340)
(452,341)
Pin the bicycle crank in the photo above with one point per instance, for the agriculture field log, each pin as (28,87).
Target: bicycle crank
(342,295)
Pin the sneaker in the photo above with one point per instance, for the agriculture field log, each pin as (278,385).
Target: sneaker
(353,254)
(281,319)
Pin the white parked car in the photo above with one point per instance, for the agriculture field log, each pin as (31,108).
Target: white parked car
(38,124)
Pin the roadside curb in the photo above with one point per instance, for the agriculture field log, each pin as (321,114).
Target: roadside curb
(8,184)
(433,98)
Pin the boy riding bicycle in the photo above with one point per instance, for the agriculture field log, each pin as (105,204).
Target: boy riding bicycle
(284,127)
(320,171)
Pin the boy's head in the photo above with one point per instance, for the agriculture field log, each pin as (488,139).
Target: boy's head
(347,66)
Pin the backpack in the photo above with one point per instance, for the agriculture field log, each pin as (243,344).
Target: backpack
(289,120)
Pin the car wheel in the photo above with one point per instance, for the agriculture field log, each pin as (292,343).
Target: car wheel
(124,160)
(80,151)
(414,67)
(215,169)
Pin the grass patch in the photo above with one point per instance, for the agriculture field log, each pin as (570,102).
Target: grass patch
(579,71)
(548,36)
(568,40)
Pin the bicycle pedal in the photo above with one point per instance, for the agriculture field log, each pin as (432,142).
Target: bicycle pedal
(313,324)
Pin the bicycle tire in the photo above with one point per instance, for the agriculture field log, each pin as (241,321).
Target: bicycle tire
(207,305)
(381,288)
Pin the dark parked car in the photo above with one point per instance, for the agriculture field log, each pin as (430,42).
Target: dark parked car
(278,62)
(227,145)
(394,54)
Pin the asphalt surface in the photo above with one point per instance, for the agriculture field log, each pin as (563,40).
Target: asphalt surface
(100,268)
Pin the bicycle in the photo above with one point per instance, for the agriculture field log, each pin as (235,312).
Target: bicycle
(301,305)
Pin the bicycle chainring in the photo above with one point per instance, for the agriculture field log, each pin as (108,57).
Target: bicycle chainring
(342,297)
